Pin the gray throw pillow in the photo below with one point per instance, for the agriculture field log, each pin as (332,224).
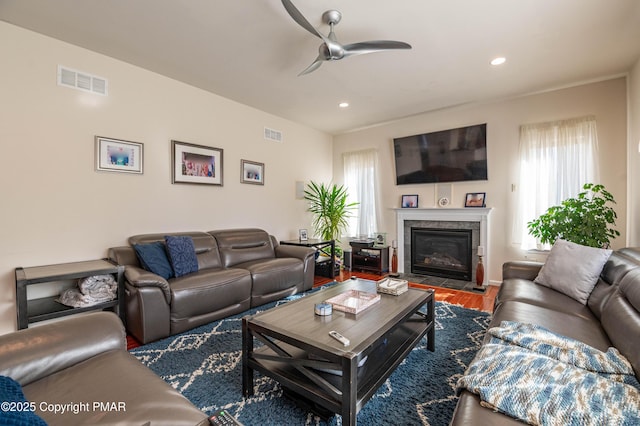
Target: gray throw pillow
(573,269)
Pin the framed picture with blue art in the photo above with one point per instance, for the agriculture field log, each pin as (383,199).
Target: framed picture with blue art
(197,164)
(117,155)
(251,172)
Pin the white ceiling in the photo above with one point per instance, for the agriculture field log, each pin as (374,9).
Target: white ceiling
(252,51)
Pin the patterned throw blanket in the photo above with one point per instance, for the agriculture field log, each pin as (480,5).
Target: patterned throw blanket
(542,378)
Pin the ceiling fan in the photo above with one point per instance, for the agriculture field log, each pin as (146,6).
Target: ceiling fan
(331,49)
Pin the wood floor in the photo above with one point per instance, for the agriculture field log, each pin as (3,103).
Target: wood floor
(481,302)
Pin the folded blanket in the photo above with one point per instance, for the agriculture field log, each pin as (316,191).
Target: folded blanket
(542,378)
(90,291)
(98,286)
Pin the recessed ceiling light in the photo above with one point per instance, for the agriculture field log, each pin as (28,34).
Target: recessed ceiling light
(343,104)
(498,61)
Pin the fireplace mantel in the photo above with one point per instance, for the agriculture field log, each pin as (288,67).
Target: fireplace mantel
(468,214)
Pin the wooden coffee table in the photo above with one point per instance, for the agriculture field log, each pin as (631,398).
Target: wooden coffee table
(296,350)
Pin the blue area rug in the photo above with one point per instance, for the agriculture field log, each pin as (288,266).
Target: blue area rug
(205,365)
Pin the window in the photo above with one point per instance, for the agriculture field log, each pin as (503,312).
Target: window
(360,179)
(556,160)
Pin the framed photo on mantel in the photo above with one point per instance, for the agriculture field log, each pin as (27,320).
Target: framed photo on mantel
(475,199)
(409,202)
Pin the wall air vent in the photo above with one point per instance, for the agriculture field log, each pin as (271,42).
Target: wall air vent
(82,81)
(272,135)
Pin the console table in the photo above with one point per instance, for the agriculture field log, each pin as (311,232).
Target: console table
(46,308)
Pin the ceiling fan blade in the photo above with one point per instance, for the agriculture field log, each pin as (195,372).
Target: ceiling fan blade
(300,19)
(314,66)
(373,46)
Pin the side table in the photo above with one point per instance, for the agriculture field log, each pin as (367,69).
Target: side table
(319,244)
(373,259)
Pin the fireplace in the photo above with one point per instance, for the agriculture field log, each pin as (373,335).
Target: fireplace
(475,219)
(442,252)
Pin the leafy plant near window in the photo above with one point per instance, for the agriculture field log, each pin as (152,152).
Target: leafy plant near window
(329,206)
(587,219)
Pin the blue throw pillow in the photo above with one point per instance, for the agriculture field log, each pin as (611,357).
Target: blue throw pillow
(18,410)
(153,258)
(182,254)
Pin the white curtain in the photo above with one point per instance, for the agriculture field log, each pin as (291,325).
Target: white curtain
(360,179)
(556,160)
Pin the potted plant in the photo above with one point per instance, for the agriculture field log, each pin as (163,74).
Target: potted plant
(330,209)
(587,219)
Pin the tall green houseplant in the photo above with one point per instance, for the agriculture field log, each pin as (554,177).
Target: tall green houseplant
(330,209)
(587,219)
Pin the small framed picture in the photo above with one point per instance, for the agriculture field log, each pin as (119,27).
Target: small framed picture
(251,172)
(115,155)
(195,164)
(302,233)
(475,199)
(409,201)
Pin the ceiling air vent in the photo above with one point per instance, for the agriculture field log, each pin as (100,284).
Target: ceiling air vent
(272,135)
(81,81)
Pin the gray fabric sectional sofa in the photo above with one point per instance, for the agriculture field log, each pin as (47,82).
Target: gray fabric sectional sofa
(237,269)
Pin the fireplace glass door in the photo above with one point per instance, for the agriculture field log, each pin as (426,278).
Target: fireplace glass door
(442,252)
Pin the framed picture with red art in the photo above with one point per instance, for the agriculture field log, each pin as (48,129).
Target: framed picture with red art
(197,164)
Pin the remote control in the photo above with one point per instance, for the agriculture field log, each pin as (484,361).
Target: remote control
(223,418)
(339,337)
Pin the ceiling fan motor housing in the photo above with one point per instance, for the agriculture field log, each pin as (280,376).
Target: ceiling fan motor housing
(331,17)
(331,51)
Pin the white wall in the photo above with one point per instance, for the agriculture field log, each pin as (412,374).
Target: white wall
(56,208)
(634,155)
(606,100)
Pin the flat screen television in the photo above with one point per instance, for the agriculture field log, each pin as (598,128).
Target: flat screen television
(445,156)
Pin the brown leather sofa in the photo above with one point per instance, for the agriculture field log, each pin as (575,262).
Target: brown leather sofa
(237,269)
(611,317)
(81,365)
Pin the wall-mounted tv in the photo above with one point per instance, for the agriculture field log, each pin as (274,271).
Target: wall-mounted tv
(446,156)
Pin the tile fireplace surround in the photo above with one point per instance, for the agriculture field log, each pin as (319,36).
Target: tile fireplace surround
(405,218)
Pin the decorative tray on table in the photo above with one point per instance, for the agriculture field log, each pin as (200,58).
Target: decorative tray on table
(392,286)
(353,301)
